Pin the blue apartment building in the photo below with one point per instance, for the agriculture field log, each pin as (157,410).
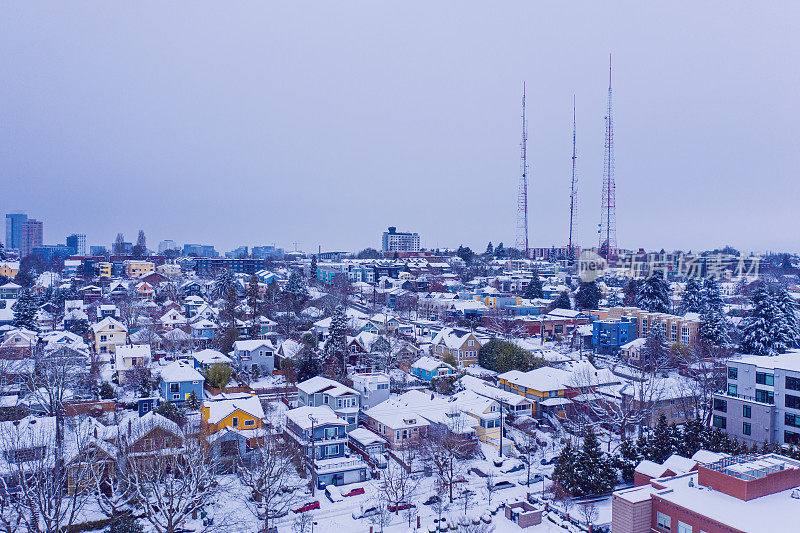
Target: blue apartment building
(609,335)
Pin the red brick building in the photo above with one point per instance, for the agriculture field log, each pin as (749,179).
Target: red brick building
(742,494)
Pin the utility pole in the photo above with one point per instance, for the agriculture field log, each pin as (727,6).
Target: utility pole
(313,456)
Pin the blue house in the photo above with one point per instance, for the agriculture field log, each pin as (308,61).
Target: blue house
(178,380)
(609,335)
(428,368)
(320,435)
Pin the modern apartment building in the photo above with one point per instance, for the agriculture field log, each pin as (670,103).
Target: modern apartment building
(28,237)
(675,328)
(761,402)
(394,241)
(77,243)
(167,244)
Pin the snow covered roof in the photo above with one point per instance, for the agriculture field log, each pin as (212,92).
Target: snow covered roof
(181,371)
(210,357)
(322,415)
(539,379)
(252,344)
(429,364)
(221,406)
(290,348)
(319,384)
(366,437)
(106,322)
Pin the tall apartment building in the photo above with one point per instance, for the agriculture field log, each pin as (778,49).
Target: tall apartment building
(167,244)
(14,229)
(761,402)
(31,234)
(394,241)
(77,242)
(675,328)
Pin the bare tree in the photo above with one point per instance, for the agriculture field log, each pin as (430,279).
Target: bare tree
(267,475)
(398,484)
(171,485)
(39,478)
(504,324)
(445,451)
(490,487)
(528,446)
(589,513)
(383,516)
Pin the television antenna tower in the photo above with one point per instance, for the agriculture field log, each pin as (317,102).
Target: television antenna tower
(608,214)
(573,196)
(522,194)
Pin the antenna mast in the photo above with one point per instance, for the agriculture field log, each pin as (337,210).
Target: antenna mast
(522,194)
(573,196)
(608,215)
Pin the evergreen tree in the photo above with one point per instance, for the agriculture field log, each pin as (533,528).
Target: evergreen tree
(613,299)
(25,311)
(308,365)
(489,249)
(663,443)
(588,296)
(465,253)
(125,523)
(140,249)
(629,457)
(313,269)
(193,402)
(691,437)
(653,295)
(564,471)
(787,308)
(692,300)
(594,471)
(297,290)
(562,302)
(119,244)
(336,343)
(654,352)
(253,294)
(500,251)
(713,327)
(534,288)
(223,281)
(631,288)
(758,326)
(712,298)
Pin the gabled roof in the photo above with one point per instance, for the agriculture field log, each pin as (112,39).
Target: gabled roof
(181,371)
(107,321)
(210,357)
(320,384)
(322,415)
(223,405)
(252,344)
(429,364)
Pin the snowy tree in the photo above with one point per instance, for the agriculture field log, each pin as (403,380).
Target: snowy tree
(489,249)
(253,293)
(500,251)
(594,472)
(653,295)
(308,365)
(313,270)
(756,327)
(588,296)
(692,300)
(25,311)
(712,298)
(562,302)
(297,291)
(534,288)
(336,343)
(788,309)
(713,327)
(613,299)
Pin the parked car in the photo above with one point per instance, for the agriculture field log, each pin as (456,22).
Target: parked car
(333,493)
(511,465)
(307,507)
(502,484)
(355,492)
(535,478)
(402,506)
(549,461)
(364,512)
(431,500)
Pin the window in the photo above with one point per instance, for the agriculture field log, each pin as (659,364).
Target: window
(674,332)
(720,422)
(762,378)
(176,396)
(333,449)
(235,421)
(765,396)
(663,521)
(720,405)
(792,402)
(732,389)
(790,437)
(174,387)
(733,372)
(747,411)
(685,335)
(103,338)
(683,527)
(792,383)
(249,423)
(470,343)
(791,420)
(746,428)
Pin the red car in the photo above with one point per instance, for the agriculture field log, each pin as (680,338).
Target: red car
(308,507)
(400,507)
(355,492)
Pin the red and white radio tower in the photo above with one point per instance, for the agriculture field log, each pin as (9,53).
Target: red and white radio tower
(522,194)
(608,214)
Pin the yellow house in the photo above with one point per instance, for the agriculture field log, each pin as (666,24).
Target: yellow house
(104,269)
(137,269)
(487,414)
(546,387)
(9,269)
(108,334)
(238,411)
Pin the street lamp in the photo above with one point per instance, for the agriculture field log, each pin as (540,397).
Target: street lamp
(313,456)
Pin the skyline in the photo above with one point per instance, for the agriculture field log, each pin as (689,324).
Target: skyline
(234,126)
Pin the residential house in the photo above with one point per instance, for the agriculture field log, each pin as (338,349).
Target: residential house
(255,355)
(320,391)
(373,388)
(461,344)
(673,397)
(208,357)
(233,425)
(9,291)
(131,360)
(172,319)
(136,268)
(179,380)
(204,330)
(108,334)
(321,436)
(428,368)
(486,411)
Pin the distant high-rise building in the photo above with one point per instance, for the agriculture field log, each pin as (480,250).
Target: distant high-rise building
(77,242)
(32,231)
(167,244)
(268,251)
(395,241)
(199,250)
(238,253)
(14,229)
(97,250)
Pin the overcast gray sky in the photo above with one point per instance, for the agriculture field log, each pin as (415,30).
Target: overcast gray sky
(323,122)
